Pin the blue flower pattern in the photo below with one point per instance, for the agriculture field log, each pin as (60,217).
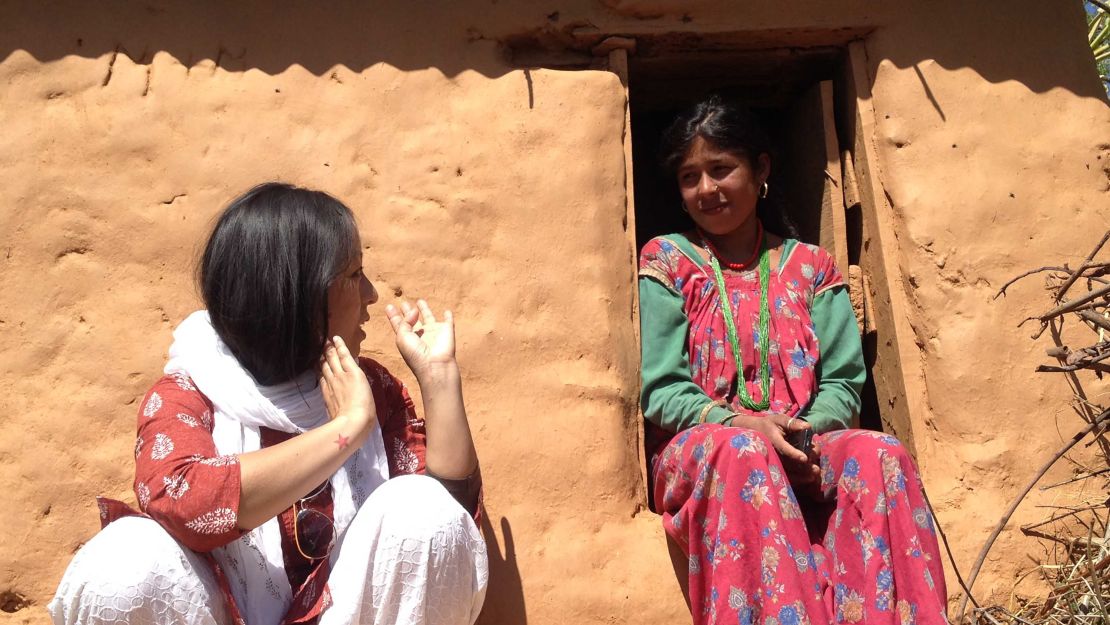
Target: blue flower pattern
(727,501)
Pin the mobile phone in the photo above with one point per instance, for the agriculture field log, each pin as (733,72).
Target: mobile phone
(802,440)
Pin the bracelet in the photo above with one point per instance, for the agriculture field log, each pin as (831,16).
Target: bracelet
(707,408)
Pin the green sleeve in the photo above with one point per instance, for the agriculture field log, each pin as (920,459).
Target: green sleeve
(668,397)
(840,370)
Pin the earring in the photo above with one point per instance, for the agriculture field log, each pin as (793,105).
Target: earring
(764,189)
(716,188)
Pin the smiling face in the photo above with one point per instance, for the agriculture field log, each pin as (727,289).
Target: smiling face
(349,294)
(720,188)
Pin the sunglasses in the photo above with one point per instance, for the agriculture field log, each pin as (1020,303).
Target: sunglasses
(313,531)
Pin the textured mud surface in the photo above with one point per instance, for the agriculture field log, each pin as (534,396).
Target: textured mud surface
(501,193)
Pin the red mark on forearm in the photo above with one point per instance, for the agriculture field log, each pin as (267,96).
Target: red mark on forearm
(342,441)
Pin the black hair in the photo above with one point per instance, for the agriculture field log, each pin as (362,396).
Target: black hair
(731,128)
(265,272)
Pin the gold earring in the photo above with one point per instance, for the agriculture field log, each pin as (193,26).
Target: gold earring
(763,190)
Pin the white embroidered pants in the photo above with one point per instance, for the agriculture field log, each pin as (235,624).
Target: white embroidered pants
(425,564)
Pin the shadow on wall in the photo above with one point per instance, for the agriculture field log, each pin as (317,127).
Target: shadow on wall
(254,35)
(505,593)
(1040,44)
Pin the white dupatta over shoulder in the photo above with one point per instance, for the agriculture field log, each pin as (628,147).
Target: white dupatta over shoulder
(254,563)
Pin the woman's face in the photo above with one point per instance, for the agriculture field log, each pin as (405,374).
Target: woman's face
(348,296)
(719,188)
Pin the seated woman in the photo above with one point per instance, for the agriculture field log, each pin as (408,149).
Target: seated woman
(280,478)
(749,343)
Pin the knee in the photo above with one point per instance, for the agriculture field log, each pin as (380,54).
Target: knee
(723,451)
(885,455)
(418,507)
(426,554)
(877,446)
(134,549)
(745,446)
(129,564)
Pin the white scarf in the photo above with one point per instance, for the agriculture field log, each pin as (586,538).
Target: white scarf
(253,564)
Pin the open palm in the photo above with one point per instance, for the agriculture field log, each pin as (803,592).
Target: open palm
(423,340)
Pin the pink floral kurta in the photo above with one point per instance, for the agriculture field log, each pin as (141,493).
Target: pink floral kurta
(858,547)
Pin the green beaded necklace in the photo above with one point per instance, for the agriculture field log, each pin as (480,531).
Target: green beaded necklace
(730,325)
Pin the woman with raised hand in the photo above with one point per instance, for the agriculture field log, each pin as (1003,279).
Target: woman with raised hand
(752,369)
(280,477)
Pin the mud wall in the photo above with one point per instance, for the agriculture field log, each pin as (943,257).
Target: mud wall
(501,193)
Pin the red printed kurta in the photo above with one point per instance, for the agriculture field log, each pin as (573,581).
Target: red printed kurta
(183,483)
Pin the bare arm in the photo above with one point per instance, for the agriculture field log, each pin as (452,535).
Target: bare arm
(428,347)
(275,477)
(451,453)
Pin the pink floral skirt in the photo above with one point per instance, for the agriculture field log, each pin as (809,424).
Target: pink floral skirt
(860,548)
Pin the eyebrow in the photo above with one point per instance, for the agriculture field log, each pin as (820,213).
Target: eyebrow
(723,160)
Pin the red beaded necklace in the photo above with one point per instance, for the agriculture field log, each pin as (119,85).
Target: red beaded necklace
(736,266)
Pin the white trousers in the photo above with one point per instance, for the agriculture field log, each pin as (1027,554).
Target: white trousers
(426,565)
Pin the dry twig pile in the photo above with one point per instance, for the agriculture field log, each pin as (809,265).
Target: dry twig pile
(1078,569)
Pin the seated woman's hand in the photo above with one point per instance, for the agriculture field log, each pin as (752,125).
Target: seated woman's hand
(427,344)
(801,468)
(345,387)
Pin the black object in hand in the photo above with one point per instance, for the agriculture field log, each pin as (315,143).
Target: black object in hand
(802,440)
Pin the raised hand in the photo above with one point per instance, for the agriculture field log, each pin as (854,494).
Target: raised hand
(345,387)
(425,342)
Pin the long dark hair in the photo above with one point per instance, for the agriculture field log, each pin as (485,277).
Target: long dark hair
(265,274)
(731,128)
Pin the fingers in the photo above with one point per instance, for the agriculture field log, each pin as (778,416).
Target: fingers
(785,449)
(802,473)
(790,424)
(329,384)
(797,424)
(326,391)
(397,319)
(402,313)
(393,315)
(412,313)
(415,316)
(784,425)
(425,311)
(407,317)
(331,358)
(346,360)
(772,427)
(326,377)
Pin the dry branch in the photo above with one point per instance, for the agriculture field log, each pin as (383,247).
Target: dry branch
(1078,478)
(1058,517)
(1095,318)
(1089,271)
(1074,304)
(1017,501)
(1002,291)
(1080,576)
(1075,276)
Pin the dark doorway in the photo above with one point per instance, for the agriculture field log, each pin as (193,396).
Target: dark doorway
(792,93)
